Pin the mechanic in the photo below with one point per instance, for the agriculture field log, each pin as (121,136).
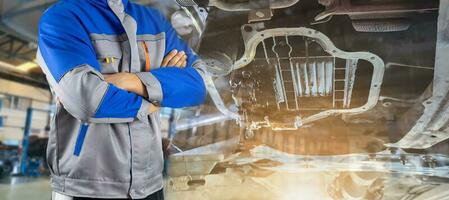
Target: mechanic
(111,64)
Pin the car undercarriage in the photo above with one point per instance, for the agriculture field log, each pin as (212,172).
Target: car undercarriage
(347,95)
(290,70)
(306,99)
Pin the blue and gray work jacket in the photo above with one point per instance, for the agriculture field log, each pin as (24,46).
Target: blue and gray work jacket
(103,142)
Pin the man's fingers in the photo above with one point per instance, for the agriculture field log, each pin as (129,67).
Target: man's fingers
(184,64)
(185,61)
(176,59)
(169,57)
(181,62)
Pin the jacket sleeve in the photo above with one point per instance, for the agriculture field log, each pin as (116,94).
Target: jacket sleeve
(68,59)
(181,87)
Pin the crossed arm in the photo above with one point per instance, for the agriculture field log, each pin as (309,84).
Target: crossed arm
(131,82)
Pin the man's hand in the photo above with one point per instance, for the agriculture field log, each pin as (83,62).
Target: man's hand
(131,83)
(127,81)
(175,59)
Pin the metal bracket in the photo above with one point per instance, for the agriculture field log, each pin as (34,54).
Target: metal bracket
(261,11)
(260,15)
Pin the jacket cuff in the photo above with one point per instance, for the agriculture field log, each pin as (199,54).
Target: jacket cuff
(153,87)
(144,111)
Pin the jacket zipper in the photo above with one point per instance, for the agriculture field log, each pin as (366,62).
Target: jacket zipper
(147,57)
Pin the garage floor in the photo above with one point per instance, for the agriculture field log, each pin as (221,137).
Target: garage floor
(23,188)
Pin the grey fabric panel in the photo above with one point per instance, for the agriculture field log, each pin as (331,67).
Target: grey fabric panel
(156,151)
(142,57)
(126,57)
(106,48)
(66,132)
(113,46)
(110,68)
(143,112)
(131,24)
(104,144)
(68,97)
(156,50)
(147,157)
(52,145)
(150,37)
(83,88)
(152,85)
(105,190)
(112,38)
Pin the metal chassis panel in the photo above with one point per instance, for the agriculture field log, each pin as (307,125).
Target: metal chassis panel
(345,7)
(218,101)
(432,127)
(254,37)
(275,4)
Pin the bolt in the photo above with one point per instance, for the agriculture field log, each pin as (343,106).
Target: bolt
(260,14)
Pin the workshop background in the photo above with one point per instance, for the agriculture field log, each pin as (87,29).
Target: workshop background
(255,138)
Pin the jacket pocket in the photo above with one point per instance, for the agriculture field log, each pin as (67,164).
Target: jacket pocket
(151,51)
(109,55)
(110,64)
